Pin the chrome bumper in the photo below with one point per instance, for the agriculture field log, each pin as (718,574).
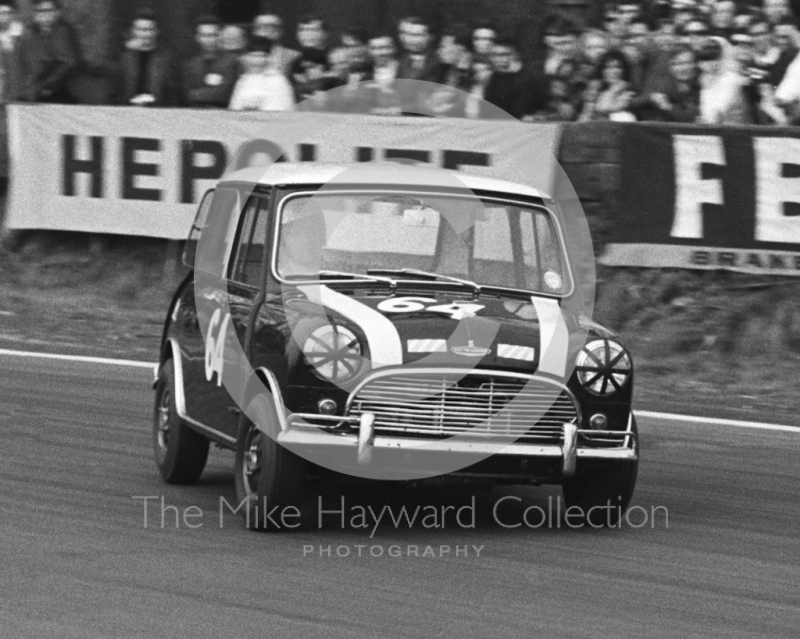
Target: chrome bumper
(300,432)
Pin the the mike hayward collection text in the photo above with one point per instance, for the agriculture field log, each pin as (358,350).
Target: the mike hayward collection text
(506,512)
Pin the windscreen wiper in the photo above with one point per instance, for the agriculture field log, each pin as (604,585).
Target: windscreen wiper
(360,276)
(434,276)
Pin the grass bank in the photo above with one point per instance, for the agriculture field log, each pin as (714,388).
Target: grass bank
(703,341)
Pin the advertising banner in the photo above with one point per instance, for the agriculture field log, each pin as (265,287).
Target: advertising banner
(708,198)
(131,171)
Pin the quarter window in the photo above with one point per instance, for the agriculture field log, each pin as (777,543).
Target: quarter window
(249,254)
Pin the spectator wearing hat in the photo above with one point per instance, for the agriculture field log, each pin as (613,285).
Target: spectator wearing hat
(11,31)
(146,73)
(270,26)
(260,87)
(49,55)
(209,76)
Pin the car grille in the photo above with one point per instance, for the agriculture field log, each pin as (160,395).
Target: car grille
(444,405)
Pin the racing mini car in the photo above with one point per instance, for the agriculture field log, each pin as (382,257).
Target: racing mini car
(389,322)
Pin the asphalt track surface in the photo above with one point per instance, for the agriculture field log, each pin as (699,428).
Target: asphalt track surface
(77,561)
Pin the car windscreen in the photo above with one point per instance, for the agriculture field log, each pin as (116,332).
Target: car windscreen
(489,242)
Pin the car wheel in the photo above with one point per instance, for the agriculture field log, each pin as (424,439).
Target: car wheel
(180,452)
(599,487)
(268,477)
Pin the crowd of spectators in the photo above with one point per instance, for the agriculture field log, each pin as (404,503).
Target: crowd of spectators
(708,61)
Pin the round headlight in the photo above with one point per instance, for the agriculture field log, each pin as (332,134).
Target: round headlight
(603,367)
(334,352)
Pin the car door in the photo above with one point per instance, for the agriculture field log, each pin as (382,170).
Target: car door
(224,353)
(207,252)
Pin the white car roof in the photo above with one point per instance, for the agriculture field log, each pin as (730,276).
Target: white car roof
(377,173)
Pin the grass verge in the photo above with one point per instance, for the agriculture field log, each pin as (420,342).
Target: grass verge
(709,342)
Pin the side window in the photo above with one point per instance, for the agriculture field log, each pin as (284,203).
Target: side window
(208,243)
(542,253)
(249,251)
(190,250)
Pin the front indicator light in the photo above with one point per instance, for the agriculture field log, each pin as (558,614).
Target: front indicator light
(598,421)
(327,407)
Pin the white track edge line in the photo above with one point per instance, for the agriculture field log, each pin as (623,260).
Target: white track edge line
(716,421)
(80,358)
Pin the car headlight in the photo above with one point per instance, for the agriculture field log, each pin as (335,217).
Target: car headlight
(334,352)
(603,367)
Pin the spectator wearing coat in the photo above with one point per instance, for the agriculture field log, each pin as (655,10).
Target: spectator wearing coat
(787,40)
(513,90)
(260,87)
(11,31)
(270,26)
(679,97)
(146,74)
(48,56)
(209,76)
(418,61)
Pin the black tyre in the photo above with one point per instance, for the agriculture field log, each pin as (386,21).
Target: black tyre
(268,477)
(598,487)
(180,452)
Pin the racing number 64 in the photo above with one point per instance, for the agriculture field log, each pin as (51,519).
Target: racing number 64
(456,310)
(215,346)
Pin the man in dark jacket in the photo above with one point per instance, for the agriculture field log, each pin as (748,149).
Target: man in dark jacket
(418,61)
(49,55)
(146,74)
(512,88)
(209,77)
(785,39)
